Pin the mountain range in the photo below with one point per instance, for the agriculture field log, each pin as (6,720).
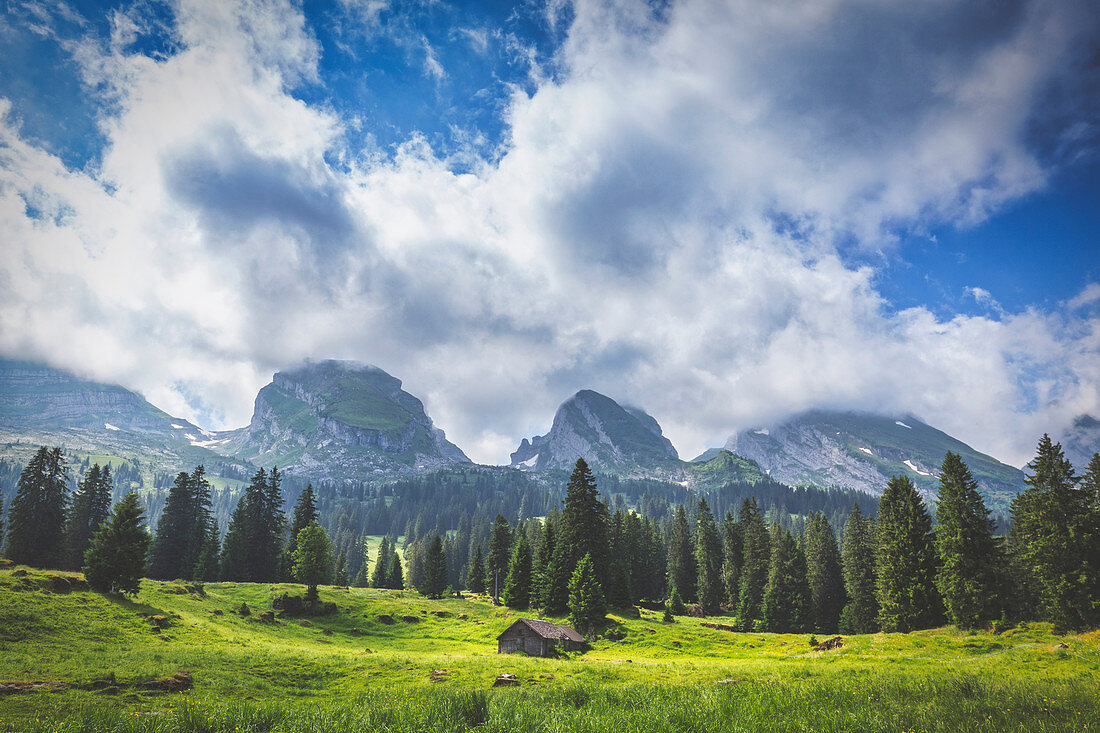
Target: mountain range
(345,422)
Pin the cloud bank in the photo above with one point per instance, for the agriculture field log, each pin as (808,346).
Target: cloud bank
(685,215)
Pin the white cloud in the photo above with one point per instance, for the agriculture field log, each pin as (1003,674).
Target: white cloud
(661,227)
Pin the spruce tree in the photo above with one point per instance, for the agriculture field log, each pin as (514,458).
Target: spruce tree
(115,559)
(253,540)
(905,560)
(543,569)
(313,560)
(1052,539)
(36,517)
(587,606)
(500,550)
(174,532)
(395,574)
(683,573)
(968,553)
(584,525)
(618,593)
(756,552)
(1090,485)
(708,560)
(90,507)
(860,615)
(340,574)
(732,558)
(786,594)
(475,579)
(305,513)
(435,570)
(824,575)
(380,577)
(517,586)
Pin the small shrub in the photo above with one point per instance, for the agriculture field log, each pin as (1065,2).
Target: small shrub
(813,640)
(244,610)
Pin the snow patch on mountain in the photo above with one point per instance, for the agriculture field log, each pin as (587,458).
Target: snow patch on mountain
(109,426)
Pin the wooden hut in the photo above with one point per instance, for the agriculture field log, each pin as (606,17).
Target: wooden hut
(538,638)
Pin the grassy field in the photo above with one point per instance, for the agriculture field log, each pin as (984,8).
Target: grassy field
(432,670)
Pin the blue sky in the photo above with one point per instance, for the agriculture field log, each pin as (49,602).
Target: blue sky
(726,212)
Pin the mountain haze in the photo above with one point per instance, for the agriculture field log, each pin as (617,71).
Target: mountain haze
(862,451)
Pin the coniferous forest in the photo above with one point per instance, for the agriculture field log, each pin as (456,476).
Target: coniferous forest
(782,561)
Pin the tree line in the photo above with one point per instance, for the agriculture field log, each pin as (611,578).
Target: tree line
(894,570)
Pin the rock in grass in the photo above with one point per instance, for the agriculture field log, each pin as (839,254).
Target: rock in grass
(385,618)
(178,682)
(411,619)
(305,622)
(829,644)
(505,680)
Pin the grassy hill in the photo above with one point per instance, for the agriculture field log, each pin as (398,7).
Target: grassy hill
(97,661)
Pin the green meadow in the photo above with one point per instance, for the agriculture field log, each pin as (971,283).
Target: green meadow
(81,661)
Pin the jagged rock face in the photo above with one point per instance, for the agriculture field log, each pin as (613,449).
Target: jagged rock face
(861,452)
(1081,442)
(607,436)
(344,420)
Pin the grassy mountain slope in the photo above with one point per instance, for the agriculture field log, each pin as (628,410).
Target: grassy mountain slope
(352,671)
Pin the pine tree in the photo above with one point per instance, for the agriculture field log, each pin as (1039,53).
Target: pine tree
(395,574)
(1052,538)
(756,552)
(174,532)
(905,560)
(618,586)
(253,540)
(823,573)
(860,615)
(115,560)
(435,570)
(475,579)
(708,560)
(786,595)
(340,574)
(1090,485)
(36,517)
(90,507)
(380,577)
(968,553)
(269,533)
(500,550)
(202,527)
(732,558)
(586,602)
(543,570)
(584,525)
(305,513)
(517,586)
(683,571)
(313,559)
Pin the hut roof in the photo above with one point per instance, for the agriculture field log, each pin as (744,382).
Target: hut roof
(547,630)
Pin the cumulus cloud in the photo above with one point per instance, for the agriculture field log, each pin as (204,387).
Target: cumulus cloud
(663,223)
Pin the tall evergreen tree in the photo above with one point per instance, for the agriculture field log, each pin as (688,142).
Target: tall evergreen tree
(756,552)
(340,574)
(253,540)
(1051,538)
(732,558)
(860,615)
(202,536)
(968,553)
(313,559)
(500,550)
(517,586)
(824,575)
(115,559)
(186,528)
(543,570)
(380,577)
(786,594)
(905,560)
(435,570)
(304,513)
(90,507)
(36,517)
(475,579)
(584,525)
(395,574)
(708,560)
(587,606)
(1090,485)
(618,593)
(683,573)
